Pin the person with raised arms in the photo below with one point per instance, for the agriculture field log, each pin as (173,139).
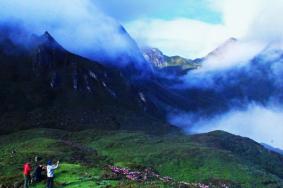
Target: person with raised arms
(50,168)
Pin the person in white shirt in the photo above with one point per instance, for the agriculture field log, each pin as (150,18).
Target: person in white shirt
(50,173)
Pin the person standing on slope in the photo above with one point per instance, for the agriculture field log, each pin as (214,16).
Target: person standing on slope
(37,175)
(50,173)
(26,172)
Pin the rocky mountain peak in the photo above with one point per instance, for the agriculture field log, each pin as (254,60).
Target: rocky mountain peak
(47,36)
(154,56)
(48,40)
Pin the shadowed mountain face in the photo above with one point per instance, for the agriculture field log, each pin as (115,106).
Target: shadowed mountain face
(43,85)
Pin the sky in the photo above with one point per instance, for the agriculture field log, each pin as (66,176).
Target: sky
(128,10)
(169,25)
(193,28)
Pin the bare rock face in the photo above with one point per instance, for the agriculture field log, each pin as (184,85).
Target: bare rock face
(155,56)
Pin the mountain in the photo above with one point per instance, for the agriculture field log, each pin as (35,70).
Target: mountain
(168,64)
(44,85)
(52,87)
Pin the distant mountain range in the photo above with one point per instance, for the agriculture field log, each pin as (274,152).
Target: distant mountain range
(39,77)
(44,85)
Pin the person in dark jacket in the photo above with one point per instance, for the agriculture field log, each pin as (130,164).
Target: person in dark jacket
(37,174)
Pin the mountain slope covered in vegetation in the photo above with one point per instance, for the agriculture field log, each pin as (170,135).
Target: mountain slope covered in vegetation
(214,159)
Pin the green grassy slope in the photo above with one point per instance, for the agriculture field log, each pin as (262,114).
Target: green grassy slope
(84,156)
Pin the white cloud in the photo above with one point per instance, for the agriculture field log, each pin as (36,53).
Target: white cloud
(185,37)
(234,54)
(254,19)
(238,15)
(264,125)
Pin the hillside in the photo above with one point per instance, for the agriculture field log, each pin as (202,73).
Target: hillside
(214,159)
